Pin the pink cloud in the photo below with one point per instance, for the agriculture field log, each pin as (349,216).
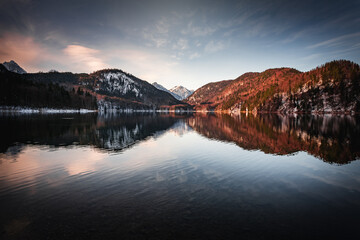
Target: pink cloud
(33,56)
(22,49)
(84,59)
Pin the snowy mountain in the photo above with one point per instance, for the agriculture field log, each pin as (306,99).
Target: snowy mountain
(181,91)
(14,67)
(162,88)
(106,90)
(118,83)
(128,90)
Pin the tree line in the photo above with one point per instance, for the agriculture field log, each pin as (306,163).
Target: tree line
(16,90)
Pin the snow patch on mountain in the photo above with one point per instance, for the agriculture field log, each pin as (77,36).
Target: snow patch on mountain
(119,83)
(12,66)
(181,91)
(162,88)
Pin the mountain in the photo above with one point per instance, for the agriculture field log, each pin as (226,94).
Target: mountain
(18,90)
(113,89)
(117,90)
(181,91)
(162,88)
(13,67)
(332,87)
(203,97)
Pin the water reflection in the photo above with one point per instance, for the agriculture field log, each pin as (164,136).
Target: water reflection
(331,138)
(106,132)
(334,139)
(163,177)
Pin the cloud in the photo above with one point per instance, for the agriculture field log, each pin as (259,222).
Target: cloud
(312,57)
(181,44)
(335,41)
(213,47)
(145,64)
(162,26)
(197,31)
(154,39)
(194,55)
(33,55)
(157,34)
(296,36)
(84,58)
(175,31)
(23,50)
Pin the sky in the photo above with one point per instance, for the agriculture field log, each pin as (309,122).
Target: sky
(188,43)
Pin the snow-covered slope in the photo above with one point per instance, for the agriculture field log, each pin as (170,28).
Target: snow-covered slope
(132,92)
(12,66)
(181,91)
(162,88)
(119,83)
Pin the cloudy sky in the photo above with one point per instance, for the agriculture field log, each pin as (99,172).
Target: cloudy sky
(187,43)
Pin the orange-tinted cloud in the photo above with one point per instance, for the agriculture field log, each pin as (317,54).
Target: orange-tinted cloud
(31,55)
(22,49)
(84,58)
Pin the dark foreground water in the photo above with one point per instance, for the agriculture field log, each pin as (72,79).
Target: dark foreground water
(179,177)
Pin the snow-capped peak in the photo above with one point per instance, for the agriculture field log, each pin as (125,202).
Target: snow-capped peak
(12,66)
(162,88)
(181,91)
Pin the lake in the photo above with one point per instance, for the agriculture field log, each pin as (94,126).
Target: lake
(191,176)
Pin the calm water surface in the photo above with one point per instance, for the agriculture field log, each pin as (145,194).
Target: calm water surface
(179,177)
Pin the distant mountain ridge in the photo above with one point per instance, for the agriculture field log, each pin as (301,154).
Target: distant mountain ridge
(19,91)
(179,92)
(12,66)
(118,86)
(114,90)
(332,87)
(162,88)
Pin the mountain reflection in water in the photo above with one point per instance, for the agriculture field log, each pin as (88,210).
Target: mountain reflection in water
(105,132)
(195,176)
(334,139)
